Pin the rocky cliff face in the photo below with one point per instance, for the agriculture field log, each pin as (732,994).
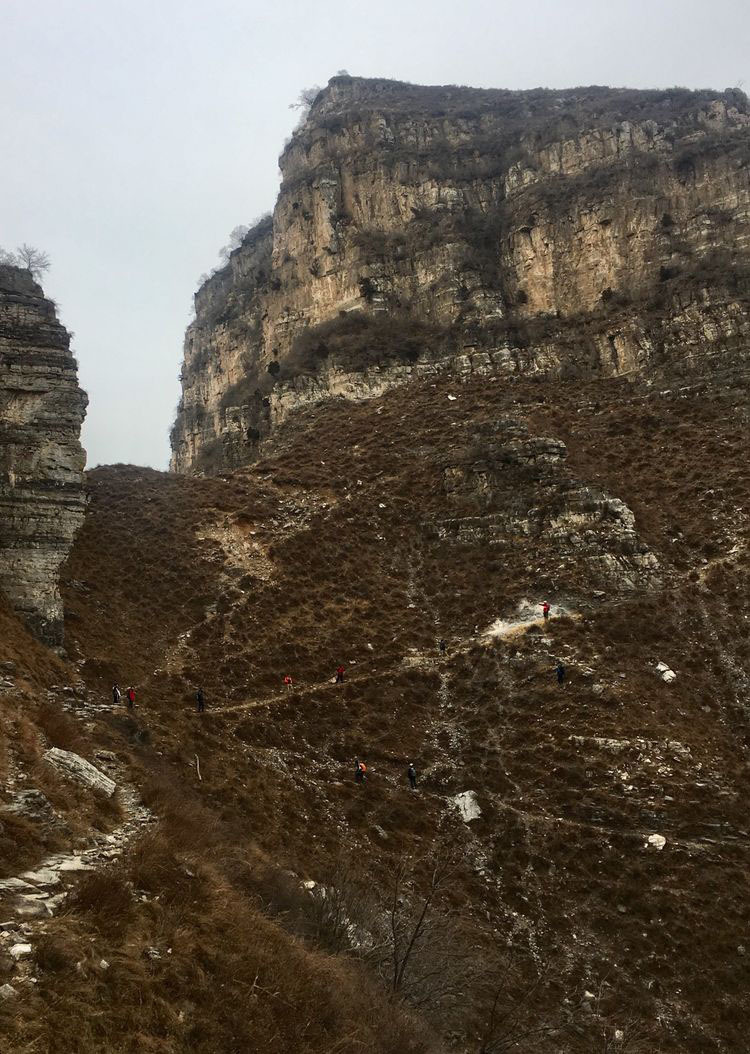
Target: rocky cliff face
(424,229)
(41,459)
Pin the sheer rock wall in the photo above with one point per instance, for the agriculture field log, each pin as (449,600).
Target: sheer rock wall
(581,231)
(42,497)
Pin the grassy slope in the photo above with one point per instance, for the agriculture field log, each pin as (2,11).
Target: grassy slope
(351,570)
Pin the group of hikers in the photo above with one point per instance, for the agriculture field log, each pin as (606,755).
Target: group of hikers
(117,695)
(360,769)
(360,773)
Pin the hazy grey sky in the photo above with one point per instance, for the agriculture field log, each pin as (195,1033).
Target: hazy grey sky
(136,134)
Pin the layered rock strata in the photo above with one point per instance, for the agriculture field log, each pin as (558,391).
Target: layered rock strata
(574,232)
(42,497)
(512,490)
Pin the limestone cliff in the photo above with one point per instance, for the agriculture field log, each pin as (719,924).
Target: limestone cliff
(424,229)
(41,460)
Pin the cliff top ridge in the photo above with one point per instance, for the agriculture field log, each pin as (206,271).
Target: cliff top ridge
(15,279)
(452,99)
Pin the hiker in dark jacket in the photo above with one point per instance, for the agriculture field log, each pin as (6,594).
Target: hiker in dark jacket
(442,646)
(200,701)
(411,772)
(116,695)
(360,770)
(560,673)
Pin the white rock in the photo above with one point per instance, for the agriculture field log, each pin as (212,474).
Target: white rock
(20,951)
(80,770)
(7,991)
(45,876)
(667,674)
(103,964)
(467,804)
(656,841)
(452,398)
(75,863)
(15,885)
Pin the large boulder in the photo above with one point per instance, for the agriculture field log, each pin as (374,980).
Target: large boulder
(77,768)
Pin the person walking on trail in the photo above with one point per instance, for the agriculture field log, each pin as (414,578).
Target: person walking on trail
(288,683)
(545,610)
(340,675)
(442,646)
(411,772)
(131,697)
(200,701)
(116,694)
(560,670)
(360,771)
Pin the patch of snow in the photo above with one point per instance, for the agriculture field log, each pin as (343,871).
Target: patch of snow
(528,614)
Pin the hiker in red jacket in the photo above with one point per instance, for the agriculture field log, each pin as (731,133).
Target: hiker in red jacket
(288,683)
(545,610)
(360,771)
(340,675)
(130,697)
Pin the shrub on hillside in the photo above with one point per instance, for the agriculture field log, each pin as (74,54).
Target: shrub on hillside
(60,729)
(357,340)
(107,900)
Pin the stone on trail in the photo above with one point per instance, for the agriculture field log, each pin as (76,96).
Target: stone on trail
(467,805)
(75,863)
(32,906)
(34,805)
(20,951)
(15,885)
(45,876)
(80,770)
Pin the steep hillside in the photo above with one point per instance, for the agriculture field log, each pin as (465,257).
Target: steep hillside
(41,460)
(136,913)
(422,230)
(598,898)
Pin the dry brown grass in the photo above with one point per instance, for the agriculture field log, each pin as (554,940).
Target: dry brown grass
(60,728)
(105,898)
(561,841)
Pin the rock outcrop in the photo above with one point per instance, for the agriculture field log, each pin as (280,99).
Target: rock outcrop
(511,490)
(77,768)
(41,459)
(572,232)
